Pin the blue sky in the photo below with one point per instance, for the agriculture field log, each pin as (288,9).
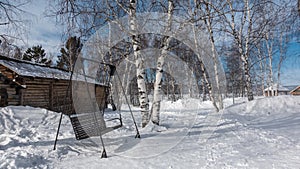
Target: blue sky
(291,66)
(44,31)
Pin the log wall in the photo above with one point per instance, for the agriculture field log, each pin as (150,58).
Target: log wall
(49,93)
(10,93)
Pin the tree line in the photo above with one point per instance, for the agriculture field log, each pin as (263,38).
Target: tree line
(251,37)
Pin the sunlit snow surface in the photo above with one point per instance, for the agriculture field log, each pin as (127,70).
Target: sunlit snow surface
(264,133)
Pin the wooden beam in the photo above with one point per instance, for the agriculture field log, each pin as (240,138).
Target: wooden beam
(51,95)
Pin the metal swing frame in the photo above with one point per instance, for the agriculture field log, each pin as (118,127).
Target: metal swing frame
(93,126)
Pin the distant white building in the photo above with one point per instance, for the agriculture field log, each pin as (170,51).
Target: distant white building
(273,90)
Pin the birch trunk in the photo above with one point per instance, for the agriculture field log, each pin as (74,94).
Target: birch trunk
(243,50)
(269,46)
(281,58)
(246,55)
(249,91)
(203,90)
(208,23)
(203,70)
(262,72)
(209,88)
(155,111)
(140,71)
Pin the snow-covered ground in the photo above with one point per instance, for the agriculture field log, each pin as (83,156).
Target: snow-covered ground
(264,133)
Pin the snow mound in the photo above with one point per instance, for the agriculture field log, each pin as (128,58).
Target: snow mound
(263,133)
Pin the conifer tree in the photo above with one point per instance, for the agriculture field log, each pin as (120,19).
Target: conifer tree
(36,54)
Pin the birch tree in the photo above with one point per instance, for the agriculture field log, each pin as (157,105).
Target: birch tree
(241,34)
(198,14)
(282,56)
(207,13)
(159,69)
(12,26)
(269,48)
(140,70)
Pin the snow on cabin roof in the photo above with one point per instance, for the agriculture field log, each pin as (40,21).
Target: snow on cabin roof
(29,69)
(24,68)
(274,87)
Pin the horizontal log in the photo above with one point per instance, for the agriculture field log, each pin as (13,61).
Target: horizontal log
(62,87)
(36,91)
(62,96)
(13,96)
(10,89)
(31,101)
(61,84)
(11,92)
(43,105)
(37,87)
(37,83)
(2,85)
(13,100)
(60,90)
(14,103)
(35,96)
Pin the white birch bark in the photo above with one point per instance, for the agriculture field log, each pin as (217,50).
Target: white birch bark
(262,72)
(155,111)
(246,53)
(140,71)
(269,46)
(243,51)
(208,23)
(203,70)
(281,58)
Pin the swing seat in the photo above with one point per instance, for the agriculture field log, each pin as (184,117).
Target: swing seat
(88,125)
(89,102)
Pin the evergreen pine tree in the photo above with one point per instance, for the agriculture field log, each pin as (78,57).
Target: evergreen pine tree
(36,54)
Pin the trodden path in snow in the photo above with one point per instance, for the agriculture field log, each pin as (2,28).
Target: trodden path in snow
(264,133)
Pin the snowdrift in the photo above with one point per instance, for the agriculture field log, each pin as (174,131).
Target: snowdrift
(264,133)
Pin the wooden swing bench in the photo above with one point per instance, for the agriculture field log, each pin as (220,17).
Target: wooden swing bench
(87,117)
(87,126)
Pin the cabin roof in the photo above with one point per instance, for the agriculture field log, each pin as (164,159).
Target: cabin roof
(29,69)
(280,88)
(24,68)
(297,88)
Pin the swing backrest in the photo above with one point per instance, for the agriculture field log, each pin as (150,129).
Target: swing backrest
(90,101)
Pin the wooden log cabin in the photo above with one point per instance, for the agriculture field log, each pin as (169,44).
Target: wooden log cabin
(29,84)
(295,91)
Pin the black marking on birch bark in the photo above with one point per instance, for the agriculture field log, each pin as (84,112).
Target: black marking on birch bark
(140,77)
